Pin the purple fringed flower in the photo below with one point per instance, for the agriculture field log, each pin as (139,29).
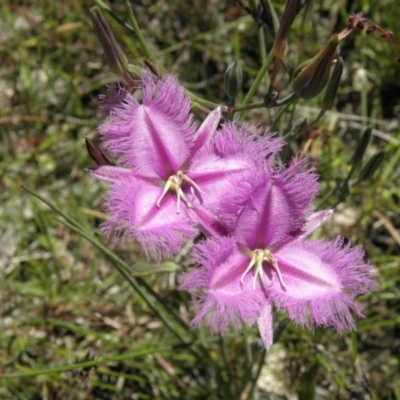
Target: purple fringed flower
(268,259)
(172,178)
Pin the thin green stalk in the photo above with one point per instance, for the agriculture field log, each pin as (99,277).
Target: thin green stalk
(249,364)
(112,14)
(165,304)
(292,117)
(121,357)
(138,32)
(249,352)
(57,264)
(279,116)
(224,351)
(87,364)
(121,263)
(364,88)
(202,102)
(257,375)
(270,16)
(118,263)
(325,198)
(261,41)
(250,106)
(122,270)
(256,83)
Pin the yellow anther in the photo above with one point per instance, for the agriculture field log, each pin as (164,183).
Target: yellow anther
(259,256)
(174,183)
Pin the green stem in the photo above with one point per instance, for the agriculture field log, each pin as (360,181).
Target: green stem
(255,379)
(165,304)
(121,263)
(325,198)
(112,14)
(249,364)
(256,83)
(261,41)
(342,189)
(250,106)
(231,381)
(202,102)
(292,116)
(87,364)
(270,16)
(123,271)
(279,116)
(138,32)
(121,357)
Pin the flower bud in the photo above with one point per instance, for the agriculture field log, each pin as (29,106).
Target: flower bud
(361,147)
(292,8)
(116,59)
(371,166)
(135,71)
(98,156)
(310,79)
(233,80)
(333,85)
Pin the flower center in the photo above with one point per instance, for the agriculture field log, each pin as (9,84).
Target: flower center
(174,183)
(259,256)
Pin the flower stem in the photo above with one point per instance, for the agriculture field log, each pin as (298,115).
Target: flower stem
(256,376)
(242,107)
(256,83)
(118,263)
(113,15)
(123,269)
(93,363)
(138,32)
(231,381)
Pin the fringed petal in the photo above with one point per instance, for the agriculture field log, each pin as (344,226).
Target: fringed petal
(207,130)
(314,221)
(110,173)
(322,280)
(224,301)
(134,213)
(234,138)
(299,184)
(155,137)
(225,168)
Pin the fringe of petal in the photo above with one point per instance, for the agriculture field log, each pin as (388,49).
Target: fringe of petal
(232,138)
(216,309)
(158,244)
(164,241)
(300,185)
(219,316)
(355,277)
(164,97)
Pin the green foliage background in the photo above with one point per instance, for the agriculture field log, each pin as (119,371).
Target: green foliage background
(64,305)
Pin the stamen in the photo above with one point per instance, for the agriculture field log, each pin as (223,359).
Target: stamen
(166,188)
(259,256)
(249,267)
(193,183)
(275,266)
(174,182)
